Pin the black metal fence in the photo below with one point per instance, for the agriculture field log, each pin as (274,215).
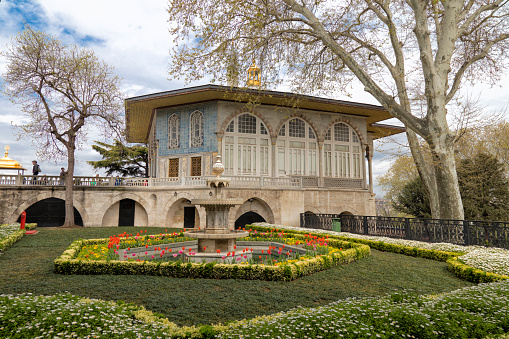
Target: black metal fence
(459,232)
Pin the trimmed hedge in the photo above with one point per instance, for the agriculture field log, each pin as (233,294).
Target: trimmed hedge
(454,265)
(67,264)
(472,274)
(378,245)
(7,242)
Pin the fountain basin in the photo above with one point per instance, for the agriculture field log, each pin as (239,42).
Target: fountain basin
(210,240)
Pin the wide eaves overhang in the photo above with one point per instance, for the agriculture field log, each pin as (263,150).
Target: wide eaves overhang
(140,109)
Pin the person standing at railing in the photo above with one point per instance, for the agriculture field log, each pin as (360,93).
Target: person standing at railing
(96,181)
(36,169)
(62,175)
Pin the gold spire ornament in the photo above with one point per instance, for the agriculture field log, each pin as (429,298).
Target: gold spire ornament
(254,76)
(8,163)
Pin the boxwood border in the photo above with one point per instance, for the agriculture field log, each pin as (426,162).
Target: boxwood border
(68,264)
(7,242)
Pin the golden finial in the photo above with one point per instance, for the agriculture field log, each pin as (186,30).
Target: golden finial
(8,163)
(253,76)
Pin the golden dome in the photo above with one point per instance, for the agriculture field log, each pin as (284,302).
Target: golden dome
(8,163)
(254,75)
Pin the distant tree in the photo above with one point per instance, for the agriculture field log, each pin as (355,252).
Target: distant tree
(401,172)
(62,90)
(413,199)
(126,161)
(490,139)
(484,188)
(483,185)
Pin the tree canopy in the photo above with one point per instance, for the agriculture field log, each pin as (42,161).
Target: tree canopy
(63,91)
(411,55)
(126,161)
(413,199)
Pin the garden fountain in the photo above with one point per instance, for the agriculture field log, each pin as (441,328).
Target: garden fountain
(217,239)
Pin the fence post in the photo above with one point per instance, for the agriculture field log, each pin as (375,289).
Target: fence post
(407,228)
(365,224)
(466,233)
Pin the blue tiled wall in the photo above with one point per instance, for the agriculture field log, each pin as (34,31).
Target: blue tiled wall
(209,111)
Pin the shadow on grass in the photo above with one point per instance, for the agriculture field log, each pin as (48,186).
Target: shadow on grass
(28,267)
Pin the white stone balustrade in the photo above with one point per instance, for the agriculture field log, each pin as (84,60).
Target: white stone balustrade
(236,181)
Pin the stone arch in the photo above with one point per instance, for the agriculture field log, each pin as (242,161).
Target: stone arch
(293,116)
(116,199)
(349,210)
(312,209)
(45,195)
(349,123)
(244,110)
(174,198)
(257,205)
(175,213)
(311,220)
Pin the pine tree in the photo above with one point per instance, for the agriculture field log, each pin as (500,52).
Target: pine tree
(127,161)
(484,188)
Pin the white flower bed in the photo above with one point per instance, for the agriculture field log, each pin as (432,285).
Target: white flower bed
(495,260)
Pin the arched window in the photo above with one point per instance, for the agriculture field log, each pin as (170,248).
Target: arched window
(342,152)
(173,131)
(246,148)
(196,129)
(297,149)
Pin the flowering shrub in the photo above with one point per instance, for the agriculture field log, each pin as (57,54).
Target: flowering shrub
(10,234)
(100,257)
(472,312)
(67,316)
(480,311)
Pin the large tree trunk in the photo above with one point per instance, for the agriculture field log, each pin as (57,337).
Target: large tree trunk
(426,172)
(69,188)
(449,197)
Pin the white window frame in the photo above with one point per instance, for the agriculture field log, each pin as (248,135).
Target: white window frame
(247,154)
(342,159)
(298,154)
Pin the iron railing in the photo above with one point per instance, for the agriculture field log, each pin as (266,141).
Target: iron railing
(459,232)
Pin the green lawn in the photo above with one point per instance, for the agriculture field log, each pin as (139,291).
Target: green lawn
(28,267)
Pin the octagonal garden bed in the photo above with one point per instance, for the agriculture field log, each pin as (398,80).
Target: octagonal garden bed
(269,255)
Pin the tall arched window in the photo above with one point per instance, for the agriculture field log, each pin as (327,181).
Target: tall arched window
(196,129)
(173,131)
(246,148)
(342,152)
(297,149)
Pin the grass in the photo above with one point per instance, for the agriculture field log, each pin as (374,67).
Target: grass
(28,267)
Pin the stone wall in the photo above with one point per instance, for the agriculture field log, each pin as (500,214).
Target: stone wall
(163,207)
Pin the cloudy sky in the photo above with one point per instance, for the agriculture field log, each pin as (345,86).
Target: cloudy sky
(133,37)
